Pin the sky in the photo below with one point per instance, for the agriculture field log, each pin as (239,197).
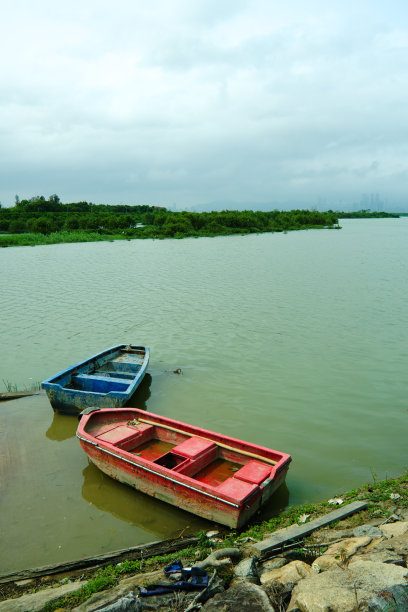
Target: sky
(206,104)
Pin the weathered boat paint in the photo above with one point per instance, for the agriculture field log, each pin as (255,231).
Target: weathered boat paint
(107,379)
(122,443)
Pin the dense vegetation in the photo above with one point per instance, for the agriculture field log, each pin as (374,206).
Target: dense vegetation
(367,214)
(41,221)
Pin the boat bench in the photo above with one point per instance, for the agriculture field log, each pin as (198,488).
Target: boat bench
(130,367)
(114,374)
(245,481)
(99,384)
(126,360)
(125,437)
(195,453)
(190,456)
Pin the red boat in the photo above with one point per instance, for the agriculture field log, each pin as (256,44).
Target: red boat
(214,476)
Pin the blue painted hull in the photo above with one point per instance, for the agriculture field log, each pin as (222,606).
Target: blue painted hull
(105,380)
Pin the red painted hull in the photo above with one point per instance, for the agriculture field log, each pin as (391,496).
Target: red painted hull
(214,476)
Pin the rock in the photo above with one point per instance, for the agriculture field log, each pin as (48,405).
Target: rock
(381,556)
(37,601)
(274,563)
(23,583)
(344,590)
(397,545)
(104,598)
(108,601)
(349,546)
(339,553)
(288,575)
(242,596)
(367,530)
(212,534)
(327,535)
(388,600)
(247,570)
(215,585)
(395,529)
(129,603)
(168,602)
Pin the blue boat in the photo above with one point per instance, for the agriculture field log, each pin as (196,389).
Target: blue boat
(106,380)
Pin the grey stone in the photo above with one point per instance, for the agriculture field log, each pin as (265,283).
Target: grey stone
(339,552)
(328,535)
(247,570)
(106,601)
(242,596)
(23,583)
(215,585)
(367,530)
(129,603)
(168,602)
(288,575)
(392,530)
(344,589)
(34,602)
(381,556)
(104,598)
(274,563)
(388,600)
(397,545)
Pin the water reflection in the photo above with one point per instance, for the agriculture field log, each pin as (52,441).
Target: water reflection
(152,515)
(136,508)
(142,394)
(62,427)
(278,502)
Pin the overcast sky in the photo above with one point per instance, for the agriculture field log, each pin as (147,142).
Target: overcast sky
(184,103)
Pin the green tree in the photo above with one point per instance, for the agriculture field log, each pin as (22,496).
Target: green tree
(17,226)
(71,223)
(42,225)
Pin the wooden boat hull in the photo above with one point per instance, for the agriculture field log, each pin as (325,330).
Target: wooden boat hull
(107,380)
(201,480)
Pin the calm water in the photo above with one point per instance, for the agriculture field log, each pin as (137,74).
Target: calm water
(295,341)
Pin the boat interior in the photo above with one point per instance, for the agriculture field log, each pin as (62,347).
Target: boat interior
(231,471)
(110,373)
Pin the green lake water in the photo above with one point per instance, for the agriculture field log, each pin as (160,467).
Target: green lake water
(296,341)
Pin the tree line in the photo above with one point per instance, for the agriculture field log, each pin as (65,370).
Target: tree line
(367,214)
(39,215)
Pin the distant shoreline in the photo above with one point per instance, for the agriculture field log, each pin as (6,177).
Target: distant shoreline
(38,221)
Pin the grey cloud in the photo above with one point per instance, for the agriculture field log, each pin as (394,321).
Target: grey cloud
(204,102)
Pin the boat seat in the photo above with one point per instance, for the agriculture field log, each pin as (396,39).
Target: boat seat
(128,367)
(128,358)
(253,472)
(99,384)
(127,436)
(237,490)
(194,447)
(97,376)
(199,451)
(113,374)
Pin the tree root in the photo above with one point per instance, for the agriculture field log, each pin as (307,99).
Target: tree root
(220,557)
